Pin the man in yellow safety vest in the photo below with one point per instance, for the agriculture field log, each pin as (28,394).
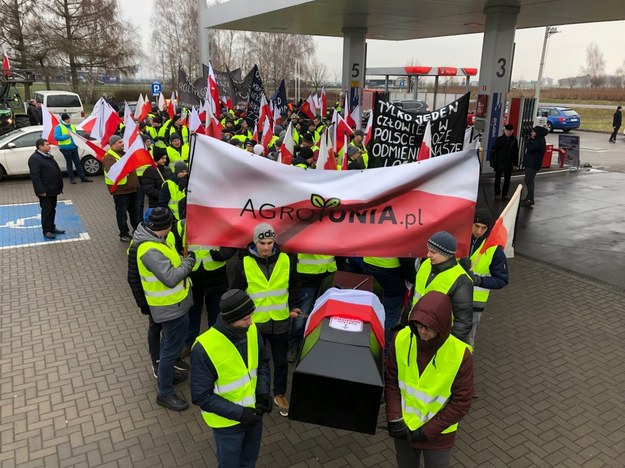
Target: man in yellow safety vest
(230,381)
(428,385)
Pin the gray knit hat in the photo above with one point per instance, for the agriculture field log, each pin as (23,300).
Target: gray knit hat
(443,243)
(263,231)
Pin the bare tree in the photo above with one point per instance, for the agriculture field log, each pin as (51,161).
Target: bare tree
(86,33)
(317,74)
(595,65)
(175,40)
(15,28)
(620,75)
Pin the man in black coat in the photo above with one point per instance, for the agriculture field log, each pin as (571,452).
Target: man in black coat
(504,157)
(533,160)
(48,184)
(34,112)
(617,119)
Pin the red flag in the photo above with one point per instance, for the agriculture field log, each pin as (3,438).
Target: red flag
(347,113)
(502,232)
(355,117)
(267,133)
(426,144)
(195,123)
(50,122)
(340,128)
(212,91)
(87,145)
(106,124)
(287,150)
(369,129)
(326,159)
(131,132)
(135,157)
(324,102)
(265,110)
(6,65)
(141,110)
(88,124)
(308,108)
(171,106)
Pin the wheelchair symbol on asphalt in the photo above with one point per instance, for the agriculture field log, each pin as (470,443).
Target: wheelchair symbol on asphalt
(21,223)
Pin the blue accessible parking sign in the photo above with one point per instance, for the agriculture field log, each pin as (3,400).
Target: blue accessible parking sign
(20,225)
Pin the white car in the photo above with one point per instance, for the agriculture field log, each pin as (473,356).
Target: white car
(17,146)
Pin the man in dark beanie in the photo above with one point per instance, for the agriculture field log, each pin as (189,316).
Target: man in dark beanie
(441,272)
(154,177)
(488,269)
(230,381)
(163,273)
(269,276)
(504,157)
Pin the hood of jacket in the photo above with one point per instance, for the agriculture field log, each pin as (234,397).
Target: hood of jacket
(541,131)
(434,311)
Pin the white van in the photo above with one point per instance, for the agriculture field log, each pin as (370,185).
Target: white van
(62,102)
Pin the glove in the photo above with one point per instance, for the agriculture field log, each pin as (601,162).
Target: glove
(145,309)
(191,254)
(477,279)
(264,403)
(465,263)
(418,435)
(398,430)
(250,417)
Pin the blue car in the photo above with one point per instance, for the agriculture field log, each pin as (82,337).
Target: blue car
(560,118)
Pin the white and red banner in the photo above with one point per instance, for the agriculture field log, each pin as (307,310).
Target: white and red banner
(502,232)
(347,213)
(50,122)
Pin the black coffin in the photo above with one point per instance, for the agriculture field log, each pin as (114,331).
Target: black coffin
(338,381)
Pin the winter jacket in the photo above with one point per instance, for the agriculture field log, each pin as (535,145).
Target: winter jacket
(34,114)
(165,272)
(132,180)
(165,196)
(617,119)
(45,174)
(152,183)
(204,374)
(535,149)
(505,153)
(432,310)
(266,265)
(60,136)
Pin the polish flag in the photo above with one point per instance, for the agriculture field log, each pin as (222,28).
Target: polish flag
(50,122)
(6,65)
(502,232)
(131,132)
(340,127)
(267,133)
(135,156)
(265,110)
(213,127)
(287,150)
(161,102)
(355,118)
(345,160)
(212,91)
(171,107)
(382,212)
(324,102)
(326,159)
(107,123)
(140,109)
(88,146)
(425,151)
(368,129)
(195,123)
(89,122)
(277,118)
(308,108)
(347,113)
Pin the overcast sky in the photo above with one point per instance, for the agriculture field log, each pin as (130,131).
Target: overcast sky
(565,55)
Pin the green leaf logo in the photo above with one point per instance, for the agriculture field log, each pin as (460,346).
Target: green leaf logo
(319,202)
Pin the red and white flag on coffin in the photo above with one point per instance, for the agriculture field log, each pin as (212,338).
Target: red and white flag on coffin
(369,129)
(308,108)
(89,146)
(502,232)
(425,150)
(50,122)
(326,159)
(381,212)
(136,156)
(89,122)
(6,65)
(195,123)
(287,150)
(267,133)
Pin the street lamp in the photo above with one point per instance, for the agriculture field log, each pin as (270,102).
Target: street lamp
(549,31)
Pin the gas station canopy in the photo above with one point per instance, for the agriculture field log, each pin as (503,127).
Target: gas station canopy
(400,19)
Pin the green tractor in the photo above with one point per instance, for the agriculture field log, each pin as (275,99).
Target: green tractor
(12,110)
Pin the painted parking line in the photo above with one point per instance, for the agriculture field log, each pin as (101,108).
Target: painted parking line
(20,225)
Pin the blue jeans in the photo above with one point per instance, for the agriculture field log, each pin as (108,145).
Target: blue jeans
(127,204)
(72,158)
(307,301)
(172,340)
(238,446)
(392,312)
(195,312)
